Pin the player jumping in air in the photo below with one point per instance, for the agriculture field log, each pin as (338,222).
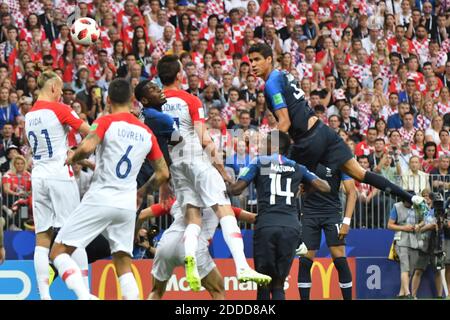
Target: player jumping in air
(198,175)
(314,142)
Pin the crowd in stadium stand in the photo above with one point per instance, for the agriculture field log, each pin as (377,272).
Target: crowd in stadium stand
(378,72)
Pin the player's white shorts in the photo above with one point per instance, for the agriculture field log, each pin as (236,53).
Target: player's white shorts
(53,202)
(88,221)
(198,183)
(170,254)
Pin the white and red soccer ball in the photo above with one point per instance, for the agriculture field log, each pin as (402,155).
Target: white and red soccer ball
(85,31)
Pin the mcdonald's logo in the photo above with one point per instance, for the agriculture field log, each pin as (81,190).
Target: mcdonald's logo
(104,280)
(325,276)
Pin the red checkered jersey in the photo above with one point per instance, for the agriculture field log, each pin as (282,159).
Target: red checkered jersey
(421,48)
(443,108)
(215,7)
(407,135)
(253,22)
(236,31)
(228,46)
(17,182)
(207,34)
(423,122)
(363,148)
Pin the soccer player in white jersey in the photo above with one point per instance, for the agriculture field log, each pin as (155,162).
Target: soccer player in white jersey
(170,250)
(55,191)
(196,181)
(109,206)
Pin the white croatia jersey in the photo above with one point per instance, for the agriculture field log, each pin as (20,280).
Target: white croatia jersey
(209,221)
(126,142)
(186,111)
(47,125)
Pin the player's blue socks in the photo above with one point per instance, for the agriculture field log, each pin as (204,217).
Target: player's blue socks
(304,277)
(385,185)
(345,277)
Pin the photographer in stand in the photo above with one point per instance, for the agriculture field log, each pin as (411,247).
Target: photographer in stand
(144,247)
(430,239)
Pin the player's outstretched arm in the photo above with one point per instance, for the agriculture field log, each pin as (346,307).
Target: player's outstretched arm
(284,122)
(85,149)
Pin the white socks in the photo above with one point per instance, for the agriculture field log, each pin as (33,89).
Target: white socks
(191,235)
(41,262)
(129,287)
(71,274)
(81,259)
(233,238)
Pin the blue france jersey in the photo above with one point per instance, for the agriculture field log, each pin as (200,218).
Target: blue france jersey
(283,91)
(330,203)
(277,181)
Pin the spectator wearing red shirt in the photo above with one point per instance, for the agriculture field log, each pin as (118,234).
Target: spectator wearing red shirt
(221,37)
(124,17)
(16,185)
(367,146)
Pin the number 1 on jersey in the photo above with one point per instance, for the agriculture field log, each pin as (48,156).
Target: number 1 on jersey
(275,188)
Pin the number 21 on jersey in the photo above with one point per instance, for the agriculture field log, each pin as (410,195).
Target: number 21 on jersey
(276,190)
(34,145)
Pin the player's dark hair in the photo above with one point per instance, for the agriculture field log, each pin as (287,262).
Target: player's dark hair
(284,142)
(263,49)
(380,139)
(139,91)
(373,129)
(168,68)
(119,91)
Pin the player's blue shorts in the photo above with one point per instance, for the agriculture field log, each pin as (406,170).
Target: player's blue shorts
(320,144)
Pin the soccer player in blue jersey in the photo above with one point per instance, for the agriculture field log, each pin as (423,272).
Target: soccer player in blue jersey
(327,217)
(314,142)
(277,228)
